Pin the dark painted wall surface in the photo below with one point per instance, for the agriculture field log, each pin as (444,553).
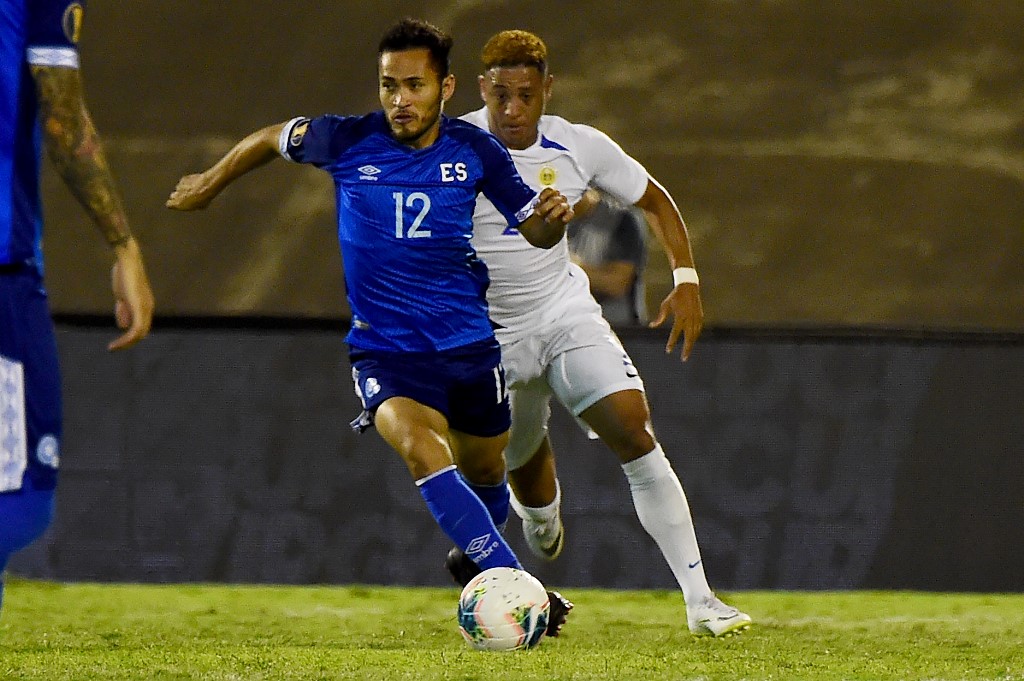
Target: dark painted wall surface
(224,454)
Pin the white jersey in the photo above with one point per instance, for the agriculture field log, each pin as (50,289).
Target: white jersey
(529,285)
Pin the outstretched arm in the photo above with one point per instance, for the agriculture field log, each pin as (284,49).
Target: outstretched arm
(683,302)
(75,148)
(197,191)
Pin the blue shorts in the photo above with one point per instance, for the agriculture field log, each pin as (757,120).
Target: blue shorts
(465,384)
(30,399)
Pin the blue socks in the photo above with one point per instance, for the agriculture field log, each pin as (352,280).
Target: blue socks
(24,516)
(465,519)
(495,498)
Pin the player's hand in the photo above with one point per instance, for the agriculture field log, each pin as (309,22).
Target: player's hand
(553,208)
(683,303)
(194,192)
(133,298)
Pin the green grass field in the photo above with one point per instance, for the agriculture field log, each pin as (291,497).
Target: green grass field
(88,631)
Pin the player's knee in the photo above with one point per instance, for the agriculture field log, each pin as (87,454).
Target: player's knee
(632,441)
(492,476)
(422,455)
(483,470)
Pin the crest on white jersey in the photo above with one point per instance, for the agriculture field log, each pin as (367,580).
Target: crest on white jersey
(547,176)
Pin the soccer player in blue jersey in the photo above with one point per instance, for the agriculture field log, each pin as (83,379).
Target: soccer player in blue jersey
(425,361)
(40,83)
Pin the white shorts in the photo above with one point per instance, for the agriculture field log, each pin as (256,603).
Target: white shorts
(579,360)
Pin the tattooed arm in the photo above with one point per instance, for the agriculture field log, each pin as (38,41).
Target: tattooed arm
(75,148)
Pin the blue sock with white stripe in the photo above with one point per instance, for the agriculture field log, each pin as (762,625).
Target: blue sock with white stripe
(495,498)
(465,519)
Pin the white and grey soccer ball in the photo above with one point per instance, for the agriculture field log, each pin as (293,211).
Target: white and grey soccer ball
(503,609)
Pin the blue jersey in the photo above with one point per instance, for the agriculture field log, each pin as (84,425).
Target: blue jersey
(44,33)
(405,218)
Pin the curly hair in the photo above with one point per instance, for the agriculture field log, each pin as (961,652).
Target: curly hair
(515,48)
(409,34)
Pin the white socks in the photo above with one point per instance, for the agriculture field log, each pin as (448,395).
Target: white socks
(540,515)
(663,511)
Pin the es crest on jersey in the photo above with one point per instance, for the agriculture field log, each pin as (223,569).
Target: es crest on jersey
(451,172)
(72,22)
(547,176)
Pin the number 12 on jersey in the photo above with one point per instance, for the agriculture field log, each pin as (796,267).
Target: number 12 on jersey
(401,202)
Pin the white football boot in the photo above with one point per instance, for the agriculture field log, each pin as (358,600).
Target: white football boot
(545,539)
(712,617)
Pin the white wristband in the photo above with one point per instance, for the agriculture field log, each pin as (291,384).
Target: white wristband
(684,275)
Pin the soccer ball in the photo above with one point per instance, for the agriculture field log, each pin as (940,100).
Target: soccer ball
(503,609)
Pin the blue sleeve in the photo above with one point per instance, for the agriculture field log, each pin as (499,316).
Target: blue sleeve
(501,181)
(54,23)
(318,141)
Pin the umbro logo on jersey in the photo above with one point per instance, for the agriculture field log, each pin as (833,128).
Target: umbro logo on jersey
(369,172)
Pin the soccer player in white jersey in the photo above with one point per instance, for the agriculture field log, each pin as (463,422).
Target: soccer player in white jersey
(553,337)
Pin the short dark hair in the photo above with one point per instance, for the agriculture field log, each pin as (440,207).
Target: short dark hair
(409,34)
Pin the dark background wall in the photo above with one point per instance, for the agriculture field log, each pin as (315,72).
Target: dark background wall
(838,163)
(224,454)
